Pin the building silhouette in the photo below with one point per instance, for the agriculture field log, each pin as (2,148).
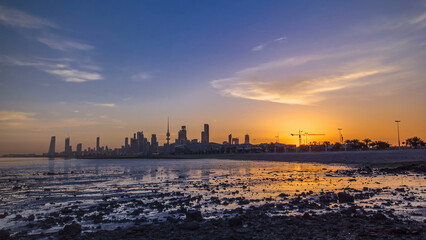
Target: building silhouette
(182,139)
(98,147)
(246,139)
(126,143)
(205,135)
(79,148)
(68,148)
(154,143)
(230,139)
(52,146)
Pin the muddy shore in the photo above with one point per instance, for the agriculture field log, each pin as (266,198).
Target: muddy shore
(349,157)
(379,212)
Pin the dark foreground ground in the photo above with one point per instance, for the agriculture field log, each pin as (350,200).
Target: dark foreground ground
(326,215)
(349,223)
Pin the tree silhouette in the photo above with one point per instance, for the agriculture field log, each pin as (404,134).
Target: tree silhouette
(414,142)
(380,145)
(367,142)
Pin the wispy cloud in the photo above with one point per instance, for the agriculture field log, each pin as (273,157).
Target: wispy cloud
(63,44)
(67,69)
(264,45)
(110,105)
(258,47)
(16,18)
(143,76)
(305,80)
(73,75)
(280,39)
(57,68)
(13,116)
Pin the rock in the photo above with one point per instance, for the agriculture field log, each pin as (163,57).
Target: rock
(4,234)
(190,226)
(379,216)
(70,230)
(345,197)
(235,222)
(194,215)
(31,217)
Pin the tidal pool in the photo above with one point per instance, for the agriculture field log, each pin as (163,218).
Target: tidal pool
(120,192)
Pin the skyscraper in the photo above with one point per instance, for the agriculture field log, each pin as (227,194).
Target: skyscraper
(230,139)
(182,135)
(246,139)
(141,143)
(98,147)
(154,143)
(205,134)
(67,145)
(79,148)
(126,143)
(52,146)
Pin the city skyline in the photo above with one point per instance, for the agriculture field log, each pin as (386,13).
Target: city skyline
(276,67)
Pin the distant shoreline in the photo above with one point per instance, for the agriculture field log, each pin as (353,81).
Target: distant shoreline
(349,157)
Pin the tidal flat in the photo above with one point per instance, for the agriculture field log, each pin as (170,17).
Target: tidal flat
(209,199)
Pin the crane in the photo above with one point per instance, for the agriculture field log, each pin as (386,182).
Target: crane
(306,134)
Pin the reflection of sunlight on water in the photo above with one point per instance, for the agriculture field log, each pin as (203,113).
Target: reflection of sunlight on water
(63,182)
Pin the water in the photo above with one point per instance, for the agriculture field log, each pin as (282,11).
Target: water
(157,189)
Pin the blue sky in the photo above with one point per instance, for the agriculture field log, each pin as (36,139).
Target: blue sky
(88,68)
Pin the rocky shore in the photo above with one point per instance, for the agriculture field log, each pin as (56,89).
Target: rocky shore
(381,212)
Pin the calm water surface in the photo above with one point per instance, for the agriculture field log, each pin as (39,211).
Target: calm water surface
(39,186)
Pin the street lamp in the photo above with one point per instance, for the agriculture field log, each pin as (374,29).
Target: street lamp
(397,128)
(341,136)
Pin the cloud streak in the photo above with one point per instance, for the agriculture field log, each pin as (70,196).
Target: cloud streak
(15,18)
(57,68)
(16,116)
(110,105)
(143,76)
(305,80)
(264,45)
(63,44)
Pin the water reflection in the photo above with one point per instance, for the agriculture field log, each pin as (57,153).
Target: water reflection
(89,182)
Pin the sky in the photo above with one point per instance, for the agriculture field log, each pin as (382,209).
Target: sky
(83,69)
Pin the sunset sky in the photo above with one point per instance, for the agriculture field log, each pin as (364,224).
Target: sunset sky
(110,68)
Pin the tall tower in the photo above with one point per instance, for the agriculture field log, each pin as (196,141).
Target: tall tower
(168,132)
(182,135)
(52,145)
(205,134)
(246,139)
(67,145)
(230,139)
(98,147)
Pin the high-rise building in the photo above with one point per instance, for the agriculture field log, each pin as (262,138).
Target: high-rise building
(182,136)
(154,143)
(67,145)
(205,134)
(98,147)
(126,143)
(79,148)
(236,141)
(141,143)
(52,146)
(230,139)
(246,139)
